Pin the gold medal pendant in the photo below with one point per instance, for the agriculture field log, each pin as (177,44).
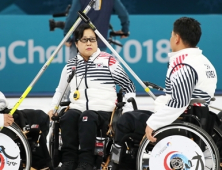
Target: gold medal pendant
(76,95)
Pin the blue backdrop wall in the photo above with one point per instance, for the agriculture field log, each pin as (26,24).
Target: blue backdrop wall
(26,44)
(133,6)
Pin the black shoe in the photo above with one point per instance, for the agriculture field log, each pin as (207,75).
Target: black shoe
(67,166)
(84,166)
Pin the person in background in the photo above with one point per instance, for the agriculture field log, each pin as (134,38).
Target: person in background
(93,97)
(100,18)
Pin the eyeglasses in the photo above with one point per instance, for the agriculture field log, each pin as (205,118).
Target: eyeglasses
(85,40)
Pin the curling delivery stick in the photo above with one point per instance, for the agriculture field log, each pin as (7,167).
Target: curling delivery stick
(96,4)
(56,109)
(154,86)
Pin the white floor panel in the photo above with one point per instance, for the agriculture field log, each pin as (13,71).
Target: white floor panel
(144,103)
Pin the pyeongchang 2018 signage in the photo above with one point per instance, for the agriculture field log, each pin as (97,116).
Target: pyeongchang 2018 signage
(26,44)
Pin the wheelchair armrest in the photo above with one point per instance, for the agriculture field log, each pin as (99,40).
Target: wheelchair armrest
(64,103)
(202,101)
(120,96)
(133,101)
(213,99)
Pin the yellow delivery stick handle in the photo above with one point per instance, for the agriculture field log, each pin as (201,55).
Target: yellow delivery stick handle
(29,88)
(19,102)
(26,92)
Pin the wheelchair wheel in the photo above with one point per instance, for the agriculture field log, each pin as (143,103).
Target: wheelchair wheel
(55,143)
(217,137)
(54,140)
(217,132)
(179,146)
(15,152)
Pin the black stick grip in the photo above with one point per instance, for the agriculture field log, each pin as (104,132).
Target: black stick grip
(71,75)
(154,86)
(114,42)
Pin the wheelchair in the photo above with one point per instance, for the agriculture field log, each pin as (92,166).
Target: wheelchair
(103,144)
(22,145)
(181,145)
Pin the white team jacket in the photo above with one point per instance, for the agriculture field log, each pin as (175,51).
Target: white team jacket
(3,105)
(187,64)
(96,82)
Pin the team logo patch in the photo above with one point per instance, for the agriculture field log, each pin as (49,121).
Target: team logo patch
(84,118)
(99,65)
(168,154)
(34,126)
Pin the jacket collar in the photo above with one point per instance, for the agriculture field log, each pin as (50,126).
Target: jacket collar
(92,57)
(187,52)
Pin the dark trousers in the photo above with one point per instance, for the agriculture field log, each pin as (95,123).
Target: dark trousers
(79,131)
(131,122)
(30,117)
(37,117)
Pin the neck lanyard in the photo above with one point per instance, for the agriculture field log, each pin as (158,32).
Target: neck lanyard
(76,94)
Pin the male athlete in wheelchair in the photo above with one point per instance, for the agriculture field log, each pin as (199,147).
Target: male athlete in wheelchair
(171,143)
